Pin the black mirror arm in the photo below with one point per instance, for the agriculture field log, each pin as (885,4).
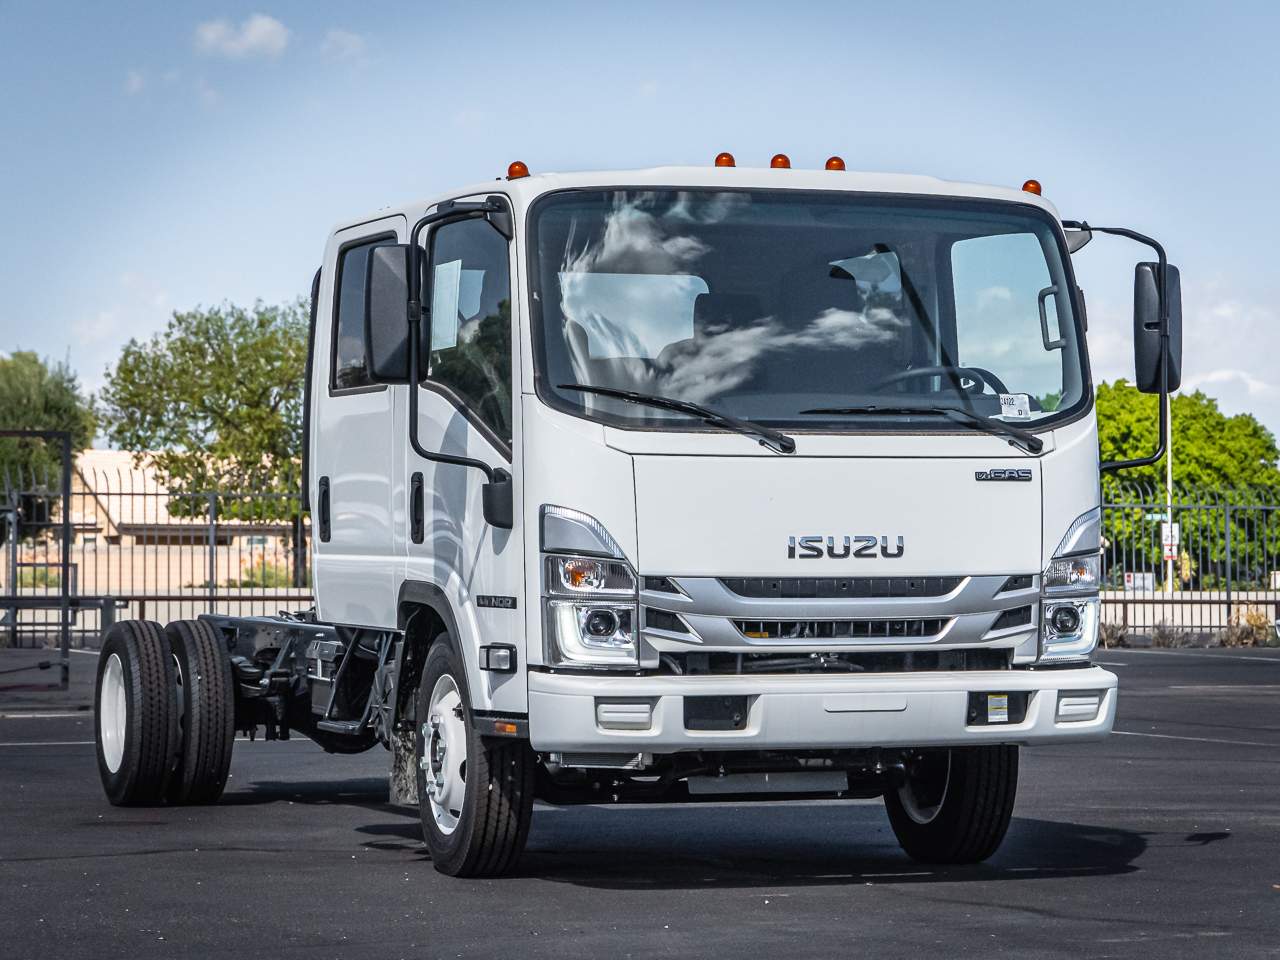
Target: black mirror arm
(1162,441)
(449,210)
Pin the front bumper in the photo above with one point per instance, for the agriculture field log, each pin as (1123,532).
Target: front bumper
(816,711)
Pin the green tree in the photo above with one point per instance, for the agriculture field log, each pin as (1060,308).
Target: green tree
(37,394)
(214,402)
(1211,449)
(1216,459)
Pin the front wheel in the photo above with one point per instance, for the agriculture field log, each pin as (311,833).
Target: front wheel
(954,805)
(475,794)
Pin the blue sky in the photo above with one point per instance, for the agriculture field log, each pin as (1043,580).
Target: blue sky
(158,156)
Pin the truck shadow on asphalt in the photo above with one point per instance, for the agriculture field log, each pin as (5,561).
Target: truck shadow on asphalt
(751,845)
(720,845)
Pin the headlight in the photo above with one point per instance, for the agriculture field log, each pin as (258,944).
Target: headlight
(1069,608)
(1073,575)
(594,634)
(1069,629)
(591,596)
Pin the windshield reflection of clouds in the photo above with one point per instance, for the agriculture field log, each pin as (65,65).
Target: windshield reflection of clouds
(729,298)
(637,272)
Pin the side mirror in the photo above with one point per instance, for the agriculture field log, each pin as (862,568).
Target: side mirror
(497,498)
(1146,327)
(386,313)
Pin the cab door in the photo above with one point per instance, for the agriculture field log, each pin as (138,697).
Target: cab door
(465,409)
(357,565)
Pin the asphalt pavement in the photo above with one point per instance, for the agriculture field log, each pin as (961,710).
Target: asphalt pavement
(1163,841)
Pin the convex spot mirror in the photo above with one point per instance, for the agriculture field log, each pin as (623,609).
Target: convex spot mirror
(1146,327)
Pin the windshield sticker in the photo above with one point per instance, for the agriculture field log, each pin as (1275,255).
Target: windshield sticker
(1015,406)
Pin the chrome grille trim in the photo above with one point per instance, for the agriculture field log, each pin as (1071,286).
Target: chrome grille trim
(714,614)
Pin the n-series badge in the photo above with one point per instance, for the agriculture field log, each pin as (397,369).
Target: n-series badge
(864,547)
(1020,474)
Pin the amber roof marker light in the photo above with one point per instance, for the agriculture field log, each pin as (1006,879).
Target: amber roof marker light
(780,161)
(835,163)
(517,170)
(1032,186)
(725,159)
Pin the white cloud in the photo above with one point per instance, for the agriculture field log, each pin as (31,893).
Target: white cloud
(343,45)
(134,82)
(1255,387)
(258,36)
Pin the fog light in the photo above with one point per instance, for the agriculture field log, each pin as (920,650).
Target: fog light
(1079,706)
(601,623)
(1065,619)
(624,715)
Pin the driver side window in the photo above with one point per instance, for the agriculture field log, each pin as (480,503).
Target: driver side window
(470,308)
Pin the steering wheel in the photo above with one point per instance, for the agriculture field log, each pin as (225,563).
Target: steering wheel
(977,377)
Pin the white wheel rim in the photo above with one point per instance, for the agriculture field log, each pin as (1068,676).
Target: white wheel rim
(444,755)
(923,810)
(113,712)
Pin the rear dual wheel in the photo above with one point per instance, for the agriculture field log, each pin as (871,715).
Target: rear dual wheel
(165,713)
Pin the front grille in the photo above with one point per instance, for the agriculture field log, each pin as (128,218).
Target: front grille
(694,664)
(831,588)
(840,629)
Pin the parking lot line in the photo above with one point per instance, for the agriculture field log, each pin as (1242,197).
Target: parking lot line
(1212,656)
(1170,736)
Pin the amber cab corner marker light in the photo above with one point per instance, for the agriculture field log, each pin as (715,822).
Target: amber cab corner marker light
(725,160)
(780,161)
(517,170)
(1032,186)
(835,163)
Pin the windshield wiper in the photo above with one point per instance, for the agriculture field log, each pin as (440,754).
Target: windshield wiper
(766,437)
(1018,438)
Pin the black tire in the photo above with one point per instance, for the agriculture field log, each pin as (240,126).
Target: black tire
(492,821)
(966,795)
(206,712)
(136,731)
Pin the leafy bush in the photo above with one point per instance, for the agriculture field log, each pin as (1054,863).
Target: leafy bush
(1249,627)
(1112,635)
(39,577)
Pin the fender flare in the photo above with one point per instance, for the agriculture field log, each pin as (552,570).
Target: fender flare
(421,594)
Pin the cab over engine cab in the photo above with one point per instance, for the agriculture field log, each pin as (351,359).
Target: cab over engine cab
(676,484)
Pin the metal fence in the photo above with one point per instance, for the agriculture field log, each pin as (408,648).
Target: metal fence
(140,550)
(1203,569)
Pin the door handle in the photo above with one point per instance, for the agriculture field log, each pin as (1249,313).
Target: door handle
(325,531)
(417,508)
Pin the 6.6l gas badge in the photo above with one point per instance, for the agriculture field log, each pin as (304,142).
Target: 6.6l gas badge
(1019,474)
(811,548)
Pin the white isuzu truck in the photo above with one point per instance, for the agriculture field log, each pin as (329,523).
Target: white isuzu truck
(678,483)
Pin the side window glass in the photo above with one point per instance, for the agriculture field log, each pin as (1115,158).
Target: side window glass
(350,366)
(1006,310)
(471,320)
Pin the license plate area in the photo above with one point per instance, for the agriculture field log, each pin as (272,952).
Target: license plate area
(715,713)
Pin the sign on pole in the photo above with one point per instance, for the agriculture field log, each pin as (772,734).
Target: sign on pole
(1170,538)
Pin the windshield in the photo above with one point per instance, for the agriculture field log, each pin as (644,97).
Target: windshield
(807,311)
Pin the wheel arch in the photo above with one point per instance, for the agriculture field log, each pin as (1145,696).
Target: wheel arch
(423,612)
